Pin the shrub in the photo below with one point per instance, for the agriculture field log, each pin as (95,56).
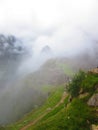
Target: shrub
(74,87)
(90,82)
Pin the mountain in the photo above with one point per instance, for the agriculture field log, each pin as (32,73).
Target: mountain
(46,49)
(27,92)
(32,90)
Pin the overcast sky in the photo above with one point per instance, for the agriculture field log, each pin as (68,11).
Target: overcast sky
(58,23)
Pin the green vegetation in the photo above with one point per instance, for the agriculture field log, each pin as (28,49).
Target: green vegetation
(51,101)
(90,82)
(56,110)
(82,81)
(68,115)
(66,69)
(77,116)
(74,87)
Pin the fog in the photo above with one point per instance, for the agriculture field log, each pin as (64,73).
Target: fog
(31,34)
(60,24)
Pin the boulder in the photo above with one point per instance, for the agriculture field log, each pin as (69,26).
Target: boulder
(93,101)
(94,127)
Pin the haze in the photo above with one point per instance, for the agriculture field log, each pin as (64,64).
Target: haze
(46,29)
(59,23)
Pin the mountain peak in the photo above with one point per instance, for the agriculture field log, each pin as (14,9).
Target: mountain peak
(46,49)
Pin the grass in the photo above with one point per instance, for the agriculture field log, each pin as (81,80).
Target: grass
(66,69)
(47,88)
(56,110)
(76,116)
(51,101)
(90,82)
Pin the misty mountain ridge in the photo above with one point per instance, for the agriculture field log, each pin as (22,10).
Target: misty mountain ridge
(42,70)
(43,44)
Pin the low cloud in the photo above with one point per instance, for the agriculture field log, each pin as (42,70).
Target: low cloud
(68,27)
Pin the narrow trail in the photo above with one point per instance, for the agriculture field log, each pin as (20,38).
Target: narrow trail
(64,95)
(34,122)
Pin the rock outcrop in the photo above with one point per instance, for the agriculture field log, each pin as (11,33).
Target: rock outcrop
(95,70)
(94,127)
(93,101)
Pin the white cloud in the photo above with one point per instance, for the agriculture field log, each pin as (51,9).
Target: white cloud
(52,22)
(44,13)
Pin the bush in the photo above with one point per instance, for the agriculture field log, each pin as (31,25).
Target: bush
(90,82)
(74,87)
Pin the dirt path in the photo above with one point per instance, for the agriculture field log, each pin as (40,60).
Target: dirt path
(34,122)
(62,99)
(47,111)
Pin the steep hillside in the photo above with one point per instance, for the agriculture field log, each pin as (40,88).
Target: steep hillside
(75,110)
(31,91)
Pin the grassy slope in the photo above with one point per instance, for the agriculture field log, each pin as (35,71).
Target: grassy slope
(53,99)
(76,115)
(67,69)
